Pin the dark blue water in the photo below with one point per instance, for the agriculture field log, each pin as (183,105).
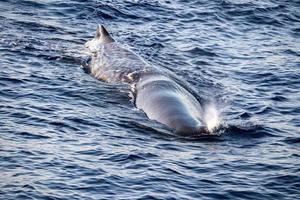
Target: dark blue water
(66,135)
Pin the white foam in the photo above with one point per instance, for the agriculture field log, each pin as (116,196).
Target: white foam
(211,117)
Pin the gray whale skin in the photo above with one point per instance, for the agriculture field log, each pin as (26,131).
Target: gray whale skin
(155,91)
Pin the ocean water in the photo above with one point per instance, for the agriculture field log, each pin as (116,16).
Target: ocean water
(66,135)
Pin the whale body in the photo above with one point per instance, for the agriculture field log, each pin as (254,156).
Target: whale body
(156,93)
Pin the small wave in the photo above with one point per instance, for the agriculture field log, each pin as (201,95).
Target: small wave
(29,135)
(12,80)
(257,19)
(245,115)
(125,158)
(279,98)
(201,52)
(246,130)
(292,140)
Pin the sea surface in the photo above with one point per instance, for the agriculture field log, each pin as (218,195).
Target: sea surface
(65,135)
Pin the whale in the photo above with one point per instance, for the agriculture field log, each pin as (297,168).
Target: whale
(156,91)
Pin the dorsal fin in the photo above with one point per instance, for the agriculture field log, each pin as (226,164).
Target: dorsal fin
(103,35)
(98,32)
(103,31)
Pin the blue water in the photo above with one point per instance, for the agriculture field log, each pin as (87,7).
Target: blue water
(66,135)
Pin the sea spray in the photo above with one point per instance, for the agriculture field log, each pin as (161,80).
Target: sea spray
(211,116)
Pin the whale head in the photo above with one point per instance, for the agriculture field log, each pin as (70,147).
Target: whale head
(101,37)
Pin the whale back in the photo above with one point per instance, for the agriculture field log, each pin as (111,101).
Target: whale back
(167,102)
(155,91)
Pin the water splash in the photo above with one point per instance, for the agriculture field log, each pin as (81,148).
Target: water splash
(211,117)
